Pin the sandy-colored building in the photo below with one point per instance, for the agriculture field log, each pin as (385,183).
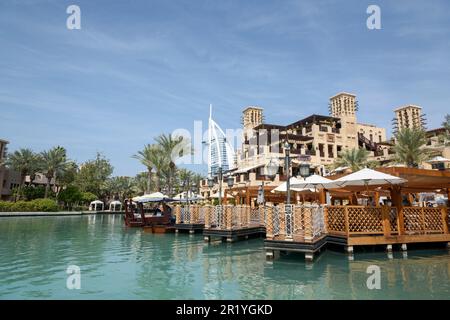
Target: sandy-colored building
(409,116)
(8,179)
(320,138)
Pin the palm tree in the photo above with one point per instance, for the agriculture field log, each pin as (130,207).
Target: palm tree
(119,187)
(355,159)
(54,164)
(141,183)
(174,148)
(445,137)
(410,147)
(26,162)
(154,159)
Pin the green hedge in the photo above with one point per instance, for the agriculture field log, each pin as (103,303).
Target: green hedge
(38,205)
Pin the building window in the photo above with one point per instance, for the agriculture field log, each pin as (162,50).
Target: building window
(330,151)
(321,150)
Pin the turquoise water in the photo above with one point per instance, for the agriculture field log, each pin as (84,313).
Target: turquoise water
(121,263)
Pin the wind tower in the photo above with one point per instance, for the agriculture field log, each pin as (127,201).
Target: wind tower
(409,116)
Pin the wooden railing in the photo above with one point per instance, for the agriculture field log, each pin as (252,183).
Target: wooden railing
(221,217)
(190,214)
(384,220)
(306,223)
(294,222)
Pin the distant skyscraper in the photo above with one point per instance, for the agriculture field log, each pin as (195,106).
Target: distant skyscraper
(220,152)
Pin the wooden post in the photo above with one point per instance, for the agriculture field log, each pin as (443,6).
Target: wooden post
(225,198)
(354,200)
(322,196)
(347,224)
(247,197)
(208,210)
(194,214)
(444,219)
(396,198)
(178,214)
(269,223)
(376,199)
(141,207)
(385,213)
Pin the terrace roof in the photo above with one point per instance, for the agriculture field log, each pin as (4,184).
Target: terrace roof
(313,119)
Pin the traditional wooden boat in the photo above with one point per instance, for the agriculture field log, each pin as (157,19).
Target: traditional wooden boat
(135,216)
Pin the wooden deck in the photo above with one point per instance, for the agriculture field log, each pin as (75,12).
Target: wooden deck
(233,223)
(308,229)
(189,227)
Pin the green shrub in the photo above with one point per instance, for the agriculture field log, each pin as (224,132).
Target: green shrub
(45,205)
(32,192)
(22,206)
(42,205)
(5,206)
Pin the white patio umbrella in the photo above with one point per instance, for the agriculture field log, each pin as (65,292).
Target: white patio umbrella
(293,181)
(185,196)
(438,159)
(366,177)
(313,182)
(216,195)
(153,197)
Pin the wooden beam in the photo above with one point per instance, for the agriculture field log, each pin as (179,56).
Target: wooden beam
(322,196)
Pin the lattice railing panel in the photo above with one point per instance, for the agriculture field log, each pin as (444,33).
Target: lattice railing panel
(299,220)
(393,224)
(276,220)
(433,220)
(335,219)
(255,215)
(318,221)
(365,219)
(201,214)
(413,220)
(185,214)
(288,220)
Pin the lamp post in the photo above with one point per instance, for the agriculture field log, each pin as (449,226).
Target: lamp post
(304,168)
(220,185)
(193,189)
(287,149)
(270,170)
(210,184)
(186,185)
(230,181)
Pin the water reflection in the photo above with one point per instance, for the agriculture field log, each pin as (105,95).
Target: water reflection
(128,263)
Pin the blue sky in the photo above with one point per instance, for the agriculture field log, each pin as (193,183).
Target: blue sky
(139,68)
